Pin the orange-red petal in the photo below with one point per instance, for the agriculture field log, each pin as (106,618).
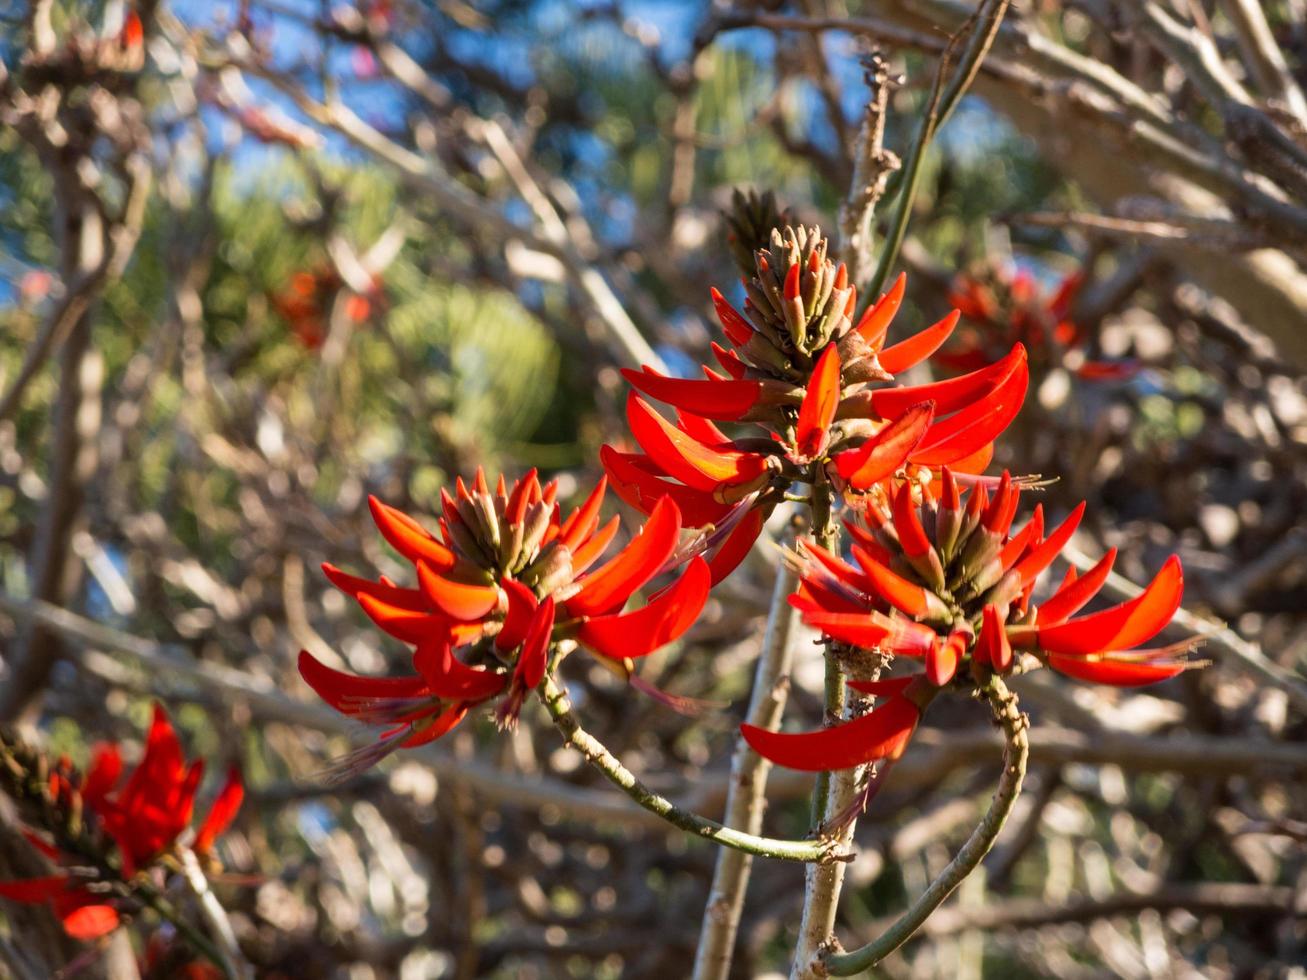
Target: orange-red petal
(819,403)
(607,589)
(882,454)
(664,619)
(907,354)
(725,400)
(880,734)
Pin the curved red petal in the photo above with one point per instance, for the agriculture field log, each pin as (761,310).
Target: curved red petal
(943,659)
(222,812)
(439,725)
(32,890)
(408,537)
(875,322)
(881,734)
(729,360)
(393,595)
(684,457)
(951,395)
(737,543)
(346,692)
(969,430)
(522,605)
(907,596)
(460,601)
(533,659)
(907,354)
(912,536)
(449,679)
(1075,592)
(642,631)
(105,770)
(860,629)
(1115,672)
(403,624)
(608,588)
(1042,555)
(723,400)
(698,427)
(975,463)
(633,481)
(881,455)
(992,646)
(1122,626)
(736,327)
(819,403)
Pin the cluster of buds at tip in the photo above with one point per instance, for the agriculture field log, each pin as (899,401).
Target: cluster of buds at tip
(504,584)
(830,414)
(749,223)
(938,575)
(798,302)
(101,830)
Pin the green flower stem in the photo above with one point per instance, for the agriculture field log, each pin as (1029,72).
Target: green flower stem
(984,23)
(1003,704)
(560,709)
(196,939)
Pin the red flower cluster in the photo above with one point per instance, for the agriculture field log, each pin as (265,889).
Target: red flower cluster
(939,575)
(817,384)
(307,299)
(507,578)
(1001,307)
(142,817)
(945,580)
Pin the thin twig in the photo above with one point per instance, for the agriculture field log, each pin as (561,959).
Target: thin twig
(746,797)
(1003,704)
(596,753)
(872,167)
(215,915)
(834,792)
(1231,899)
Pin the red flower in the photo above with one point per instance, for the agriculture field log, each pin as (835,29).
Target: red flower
(84,914)
(822,417)
(947,580)
(143,818)
(506,579)
(1004,306)
(306,301)
(880,734)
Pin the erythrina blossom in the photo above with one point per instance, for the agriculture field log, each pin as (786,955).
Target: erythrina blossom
(506,580)
(306,303)
(111,829)
(1002,305)
(819,386)
(944,579)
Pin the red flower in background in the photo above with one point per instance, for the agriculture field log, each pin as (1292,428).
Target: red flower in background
(800,369)
(947,581)
(506,578)
(142,818)
(307,300)
(1002,305)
